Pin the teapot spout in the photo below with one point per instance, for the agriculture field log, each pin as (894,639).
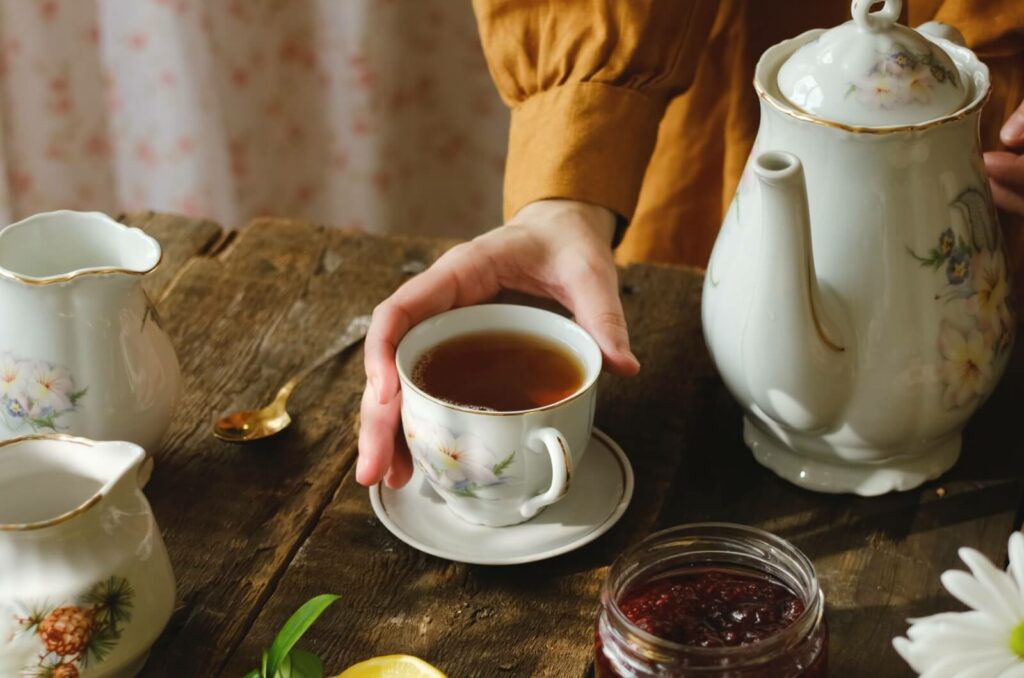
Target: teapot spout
(797,360)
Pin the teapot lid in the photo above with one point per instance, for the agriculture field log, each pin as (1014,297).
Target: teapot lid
(873,72)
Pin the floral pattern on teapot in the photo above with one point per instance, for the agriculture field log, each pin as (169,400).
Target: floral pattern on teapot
(977,329)
(35,394)
(461,464)
(80,633)
(899,78)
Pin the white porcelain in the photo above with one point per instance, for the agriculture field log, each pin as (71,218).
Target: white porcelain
(873,72)
(81,349)
(860,322)
(600,493)
(498,468)
(85,583)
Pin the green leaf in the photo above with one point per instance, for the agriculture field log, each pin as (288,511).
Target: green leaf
(301,664)
(293,629)
(502,465)
(78,395)
(253,674)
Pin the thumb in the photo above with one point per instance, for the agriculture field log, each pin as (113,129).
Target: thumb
(593,297)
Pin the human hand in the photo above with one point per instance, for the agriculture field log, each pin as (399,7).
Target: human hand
(551,248)
(1006,169)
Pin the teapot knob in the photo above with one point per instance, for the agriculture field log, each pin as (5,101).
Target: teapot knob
(875,22)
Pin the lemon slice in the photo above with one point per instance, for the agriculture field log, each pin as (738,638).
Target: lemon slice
(392,666)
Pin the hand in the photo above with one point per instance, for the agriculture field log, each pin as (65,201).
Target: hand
(1006,169)
(552,248)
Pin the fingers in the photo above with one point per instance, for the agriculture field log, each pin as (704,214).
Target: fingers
(1012,133)
(1006,168)
(456,279)
(1007,199)
(592,294)
(378,426)
(401,465)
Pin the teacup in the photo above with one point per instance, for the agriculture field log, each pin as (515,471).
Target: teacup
(498,468)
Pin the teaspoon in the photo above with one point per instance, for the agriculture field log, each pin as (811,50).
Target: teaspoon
(249,425)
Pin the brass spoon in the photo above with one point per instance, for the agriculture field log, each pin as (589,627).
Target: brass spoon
(249,425)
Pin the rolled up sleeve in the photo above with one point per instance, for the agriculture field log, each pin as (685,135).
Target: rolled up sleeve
(588,82)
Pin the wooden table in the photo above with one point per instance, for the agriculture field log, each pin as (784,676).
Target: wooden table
(255,531)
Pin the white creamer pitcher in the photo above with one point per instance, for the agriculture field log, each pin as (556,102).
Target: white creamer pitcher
(85,583)
(81,350)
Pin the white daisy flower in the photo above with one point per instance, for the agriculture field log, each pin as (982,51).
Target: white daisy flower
(985,642)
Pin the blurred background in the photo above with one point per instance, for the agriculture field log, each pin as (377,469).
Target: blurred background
(374,114)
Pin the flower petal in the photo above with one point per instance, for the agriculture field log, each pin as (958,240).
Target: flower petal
(972,593)
(473,450)
(998,582)
(481,475)
(910,653)
(979,664)
(1015,671)
(1016,550)
(971,621)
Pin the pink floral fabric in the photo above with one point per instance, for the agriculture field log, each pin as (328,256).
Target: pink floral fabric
(375,114)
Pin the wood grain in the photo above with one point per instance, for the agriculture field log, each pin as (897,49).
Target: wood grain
(255,531)
(233,516)
(533,620)
(181,239)
(878,559)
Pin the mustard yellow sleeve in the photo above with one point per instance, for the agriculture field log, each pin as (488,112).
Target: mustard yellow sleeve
(993,28)
(587,82)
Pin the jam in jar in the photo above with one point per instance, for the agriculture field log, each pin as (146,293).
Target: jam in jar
(712,600)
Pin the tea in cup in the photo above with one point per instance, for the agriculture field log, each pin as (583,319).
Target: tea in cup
(498,407)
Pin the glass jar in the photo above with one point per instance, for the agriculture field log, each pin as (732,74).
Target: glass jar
(799,650)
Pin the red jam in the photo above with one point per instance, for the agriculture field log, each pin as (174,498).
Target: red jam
(711,600)
(712,608)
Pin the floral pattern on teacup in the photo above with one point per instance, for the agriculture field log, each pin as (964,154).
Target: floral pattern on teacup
(76,634)
(977,328)
(901,78)
(460,464)
(35,394)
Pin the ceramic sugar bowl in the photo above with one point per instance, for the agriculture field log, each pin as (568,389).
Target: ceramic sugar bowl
(857,300)
(81,348)
(85,583)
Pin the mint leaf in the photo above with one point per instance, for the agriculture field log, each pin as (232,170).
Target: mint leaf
(303,664)
(292,630)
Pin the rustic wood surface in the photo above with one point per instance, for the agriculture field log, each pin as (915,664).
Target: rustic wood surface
(255,531)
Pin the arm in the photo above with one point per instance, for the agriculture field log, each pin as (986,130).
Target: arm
(588,81)
(995,30)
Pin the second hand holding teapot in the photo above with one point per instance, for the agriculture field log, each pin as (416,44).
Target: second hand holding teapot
(857,300)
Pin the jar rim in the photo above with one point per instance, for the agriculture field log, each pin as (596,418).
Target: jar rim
(811,594)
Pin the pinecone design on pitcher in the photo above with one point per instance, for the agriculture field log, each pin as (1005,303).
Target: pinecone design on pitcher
(82,635)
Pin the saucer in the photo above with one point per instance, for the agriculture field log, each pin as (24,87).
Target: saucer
(600,492)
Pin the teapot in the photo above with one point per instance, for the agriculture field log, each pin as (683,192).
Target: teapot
(85,582)
(857,301)
(81,348)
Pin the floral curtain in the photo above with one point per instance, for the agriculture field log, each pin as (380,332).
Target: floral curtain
(376,114)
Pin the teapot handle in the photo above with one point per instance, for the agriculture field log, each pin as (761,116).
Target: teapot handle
(874,22)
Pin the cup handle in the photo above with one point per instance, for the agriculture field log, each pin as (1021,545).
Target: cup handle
(561,468)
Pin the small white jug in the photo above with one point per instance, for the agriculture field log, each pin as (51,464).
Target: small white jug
(81,350)
(85,582)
